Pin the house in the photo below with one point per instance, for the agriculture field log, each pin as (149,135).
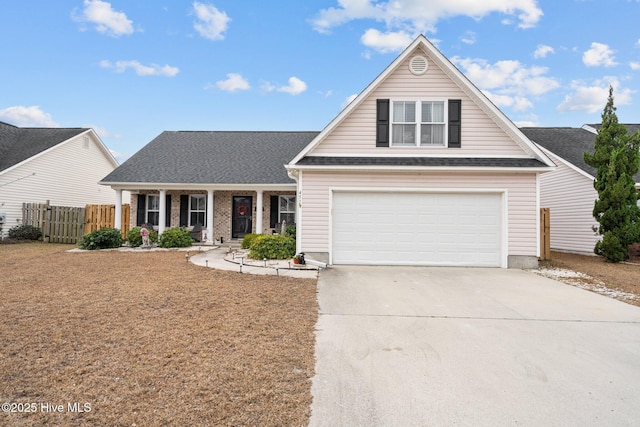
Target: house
(62,165)
(420,169)
(568,191)
(228,183)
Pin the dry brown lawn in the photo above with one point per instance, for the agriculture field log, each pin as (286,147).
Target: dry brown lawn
(624,277)
(147,339)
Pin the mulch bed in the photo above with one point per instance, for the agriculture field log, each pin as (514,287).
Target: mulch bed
(148,339)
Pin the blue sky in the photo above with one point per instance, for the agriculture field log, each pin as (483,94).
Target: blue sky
(132,69)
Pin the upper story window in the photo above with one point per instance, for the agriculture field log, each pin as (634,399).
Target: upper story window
(418,123)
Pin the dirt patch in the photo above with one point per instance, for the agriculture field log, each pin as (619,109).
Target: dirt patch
(145,339)
(620,281)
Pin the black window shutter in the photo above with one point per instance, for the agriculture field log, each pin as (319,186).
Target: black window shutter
(273,211)
(142,209)
(167,210)
(184,210)
(455,116)
(382,123)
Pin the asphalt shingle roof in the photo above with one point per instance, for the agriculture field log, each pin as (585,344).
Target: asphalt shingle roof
(570,144)
(420,161)
(18,144)
(192,157)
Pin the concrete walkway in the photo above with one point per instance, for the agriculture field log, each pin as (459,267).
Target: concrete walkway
(223,258)
(402,346)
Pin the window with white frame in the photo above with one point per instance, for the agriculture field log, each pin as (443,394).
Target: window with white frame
(153,209)
(287,211)
(198,209)
(418,123)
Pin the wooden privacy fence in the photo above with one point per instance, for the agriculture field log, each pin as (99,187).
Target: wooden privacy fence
(64,224)
(101,216)
(545,233)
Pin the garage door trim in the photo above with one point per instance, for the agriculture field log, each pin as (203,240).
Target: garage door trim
(503,193)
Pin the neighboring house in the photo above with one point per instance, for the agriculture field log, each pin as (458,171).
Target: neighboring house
(568,191)
(62,165)
(420,169)
(229,183)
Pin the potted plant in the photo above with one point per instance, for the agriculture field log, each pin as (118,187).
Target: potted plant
(299,259)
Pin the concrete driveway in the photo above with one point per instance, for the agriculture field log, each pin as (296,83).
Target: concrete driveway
(413,346)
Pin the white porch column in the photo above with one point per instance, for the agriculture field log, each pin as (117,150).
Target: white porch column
(210,207)
(259,227)
(162,215)
(117,220)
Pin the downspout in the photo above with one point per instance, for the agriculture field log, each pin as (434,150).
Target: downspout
(296,175)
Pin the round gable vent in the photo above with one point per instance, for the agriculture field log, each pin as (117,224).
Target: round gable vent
(418,65)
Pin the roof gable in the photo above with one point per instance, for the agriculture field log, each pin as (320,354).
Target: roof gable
(192,157)
(364,104)
(20,144)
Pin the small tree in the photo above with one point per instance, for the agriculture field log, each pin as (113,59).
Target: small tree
(616,159)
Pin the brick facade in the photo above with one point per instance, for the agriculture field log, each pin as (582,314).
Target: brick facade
(222,209)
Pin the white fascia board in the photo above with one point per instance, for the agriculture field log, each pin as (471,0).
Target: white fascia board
(182,187)
(384,168)
(568,164)
(102,146)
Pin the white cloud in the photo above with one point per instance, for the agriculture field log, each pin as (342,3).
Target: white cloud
(141,70)
(469,37)
(386,42)
(211,23)
(635,66)
(542,51)
(422,16)
(103,132)
(349,100)
(592,98)
(106,20)
(517,103)
(508,83)
(508,75)
(525,123)
(599,55)
(27,117)
(233,83)
(295,86)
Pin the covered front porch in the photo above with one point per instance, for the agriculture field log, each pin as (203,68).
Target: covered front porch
(214,214)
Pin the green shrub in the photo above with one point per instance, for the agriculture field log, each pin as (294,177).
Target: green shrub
(25,232)
(272,247)
(105,238)
(248,240)
(178,237)
(290,230)
(135,239)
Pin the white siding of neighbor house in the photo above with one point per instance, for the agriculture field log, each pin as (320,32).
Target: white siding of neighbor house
(66,175)
(520,189)
(570,196)
(356,135)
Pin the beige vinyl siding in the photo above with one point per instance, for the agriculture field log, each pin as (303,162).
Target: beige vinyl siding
(356,135)
(521,192)
(570,196)
(66,175)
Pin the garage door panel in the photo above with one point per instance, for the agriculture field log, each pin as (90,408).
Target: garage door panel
(417,228)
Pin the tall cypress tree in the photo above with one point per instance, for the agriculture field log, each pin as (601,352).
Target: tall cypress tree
(616,159)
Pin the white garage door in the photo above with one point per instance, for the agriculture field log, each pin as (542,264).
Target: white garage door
(444,229)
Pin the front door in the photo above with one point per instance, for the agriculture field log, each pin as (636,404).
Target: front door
(241,216)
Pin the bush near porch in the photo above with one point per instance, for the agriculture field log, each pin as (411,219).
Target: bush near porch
(276,246)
